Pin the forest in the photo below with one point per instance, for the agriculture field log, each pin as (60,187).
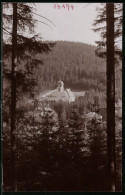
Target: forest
(81,70)
(77,65)
(53,146)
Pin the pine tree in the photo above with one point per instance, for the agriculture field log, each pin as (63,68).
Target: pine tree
(96,144)
(21,47)
(111,14)
(110,97)
(77,132)
(100,26)
(13,98)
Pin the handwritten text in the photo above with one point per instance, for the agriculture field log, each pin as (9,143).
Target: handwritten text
(64,6)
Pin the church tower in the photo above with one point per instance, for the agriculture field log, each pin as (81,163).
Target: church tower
(60,86)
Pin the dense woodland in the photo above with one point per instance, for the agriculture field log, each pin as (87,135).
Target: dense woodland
(77,65)
(54,155)
(55,147)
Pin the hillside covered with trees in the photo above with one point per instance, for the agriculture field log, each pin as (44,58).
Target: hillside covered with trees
(71,150)
(60,145)
(77,65)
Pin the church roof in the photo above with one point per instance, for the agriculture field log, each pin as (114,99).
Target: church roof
(56,95)
(61,94)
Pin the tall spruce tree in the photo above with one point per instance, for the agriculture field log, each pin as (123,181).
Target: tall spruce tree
(13,98)
(110,20)
(77,133)
(110,97)
(17,19)
(100,27)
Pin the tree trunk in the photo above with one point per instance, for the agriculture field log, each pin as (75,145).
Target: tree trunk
(13,98)
(110,97)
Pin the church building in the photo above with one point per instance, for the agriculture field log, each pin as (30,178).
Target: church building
(59,93)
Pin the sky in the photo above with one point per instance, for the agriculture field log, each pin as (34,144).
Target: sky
(72,21)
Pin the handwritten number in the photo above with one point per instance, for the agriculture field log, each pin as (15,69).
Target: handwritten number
(72,7)
(54,6)
(64,6)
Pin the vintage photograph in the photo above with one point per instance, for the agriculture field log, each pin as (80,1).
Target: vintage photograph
(62,97)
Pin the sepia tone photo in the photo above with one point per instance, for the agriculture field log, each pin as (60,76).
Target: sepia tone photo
(62,97)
